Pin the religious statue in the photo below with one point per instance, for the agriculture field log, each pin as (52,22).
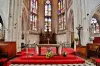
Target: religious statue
(79,30)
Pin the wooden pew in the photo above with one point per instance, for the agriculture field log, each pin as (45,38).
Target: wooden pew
(92,49)
(82,51)
(9,48)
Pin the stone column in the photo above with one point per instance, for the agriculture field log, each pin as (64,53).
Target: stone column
(41,15)
(11,17)
(85,31)
(18,26)
(14,31)
(54,15)
(75,21)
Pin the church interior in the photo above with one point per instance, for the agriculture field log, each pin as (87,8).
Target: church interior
(49,32)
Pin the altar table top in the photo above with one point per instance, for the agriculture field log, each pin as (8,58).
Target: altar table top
(48,45)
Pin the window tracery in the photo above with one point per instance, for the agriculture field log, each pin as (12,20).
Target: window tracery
(61,15)
(33,15)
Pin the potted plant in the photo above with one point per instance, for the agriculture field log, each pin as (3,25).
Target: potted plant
(49,53)
(64,54)
(76,39)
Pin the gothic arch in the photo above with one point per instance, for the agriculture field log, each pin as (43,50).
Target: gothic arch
(93,12)
(71,20)
(96,14)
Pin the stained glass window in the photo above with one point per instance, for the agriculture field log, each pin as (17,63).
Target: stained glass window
(61,15)
(95,25)
(33,15)
(47,15)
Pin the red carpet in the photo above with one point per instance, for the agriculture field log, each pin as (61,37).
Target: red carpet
(25,58)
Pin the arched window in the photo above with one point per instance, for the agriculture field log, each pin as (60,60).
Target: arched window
(61,15)
(33,15)
(48,19)
(95,26)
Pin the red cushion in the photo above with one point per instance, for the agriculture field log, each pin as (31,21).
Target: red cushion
(97,60)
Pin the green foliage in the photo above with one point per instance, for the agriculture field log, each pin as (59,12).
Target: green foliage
(49,54)
(64,54)
(76,39)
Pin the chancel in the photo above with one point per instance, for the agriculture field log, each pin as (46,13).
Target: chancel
(49,32)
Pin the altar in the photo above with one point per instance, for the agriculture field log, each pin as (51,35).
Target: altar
(57,46)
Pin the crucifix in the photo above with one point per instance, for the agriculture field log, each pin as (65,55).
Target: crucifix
(79,30)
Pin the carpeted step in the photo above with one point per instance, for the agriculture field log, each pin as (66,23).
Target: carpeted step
(44,58)
(51,61)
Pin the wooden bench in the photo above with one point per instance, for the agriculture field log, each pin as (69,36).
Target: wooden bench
(92,50)
(81,51)
(8,48)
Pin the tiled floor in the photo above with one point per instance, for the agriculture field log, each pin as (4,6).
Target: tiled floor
(87,63)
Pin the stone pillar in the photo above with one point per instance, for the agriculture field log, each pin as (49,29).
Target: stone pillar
(75,9)
(18,26)
(54,15)
(4,10)
(85,31)
(41,15)
(14,32)
(80,17)
(11,17)
(13,13)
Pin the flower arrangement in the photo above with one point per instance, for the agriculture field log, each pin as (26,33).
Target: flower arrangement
(49,53)
(64,54)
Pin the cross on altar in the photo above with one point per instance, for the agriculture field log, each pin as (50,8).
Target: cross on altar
(48,40)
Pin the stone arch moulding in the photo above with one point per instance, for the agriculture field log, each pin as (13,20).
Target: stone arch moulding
(93,11)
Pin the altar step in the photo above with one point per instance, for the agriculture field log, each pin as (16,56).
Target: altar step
(47,61)
(44,57)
